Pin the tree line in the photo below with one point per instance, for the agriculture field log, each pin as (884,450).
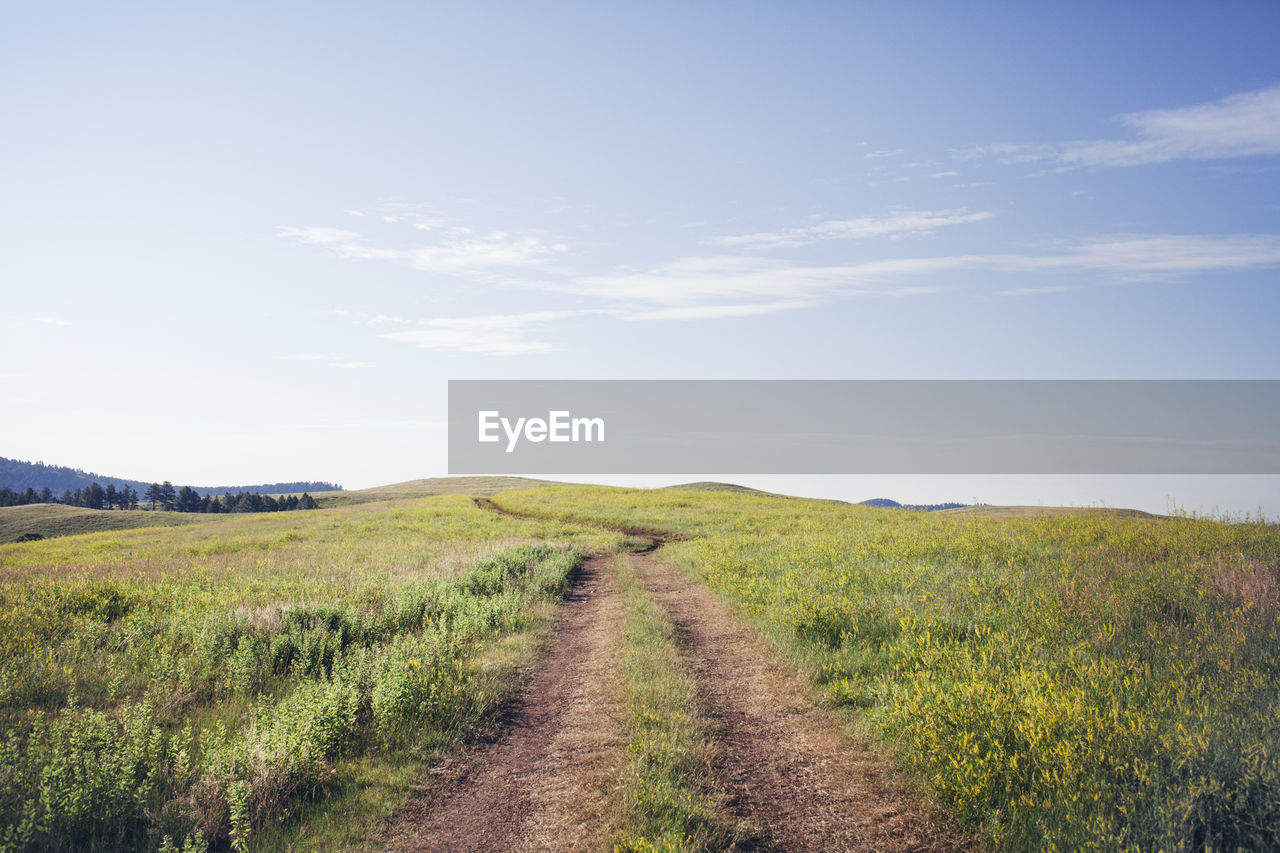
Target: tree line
(161,496)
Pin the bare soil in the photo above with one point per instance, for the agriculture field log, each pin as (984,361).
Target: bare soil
(548,781)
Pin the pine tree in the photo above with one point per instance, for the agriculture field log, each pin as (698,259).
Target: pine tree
(168,495)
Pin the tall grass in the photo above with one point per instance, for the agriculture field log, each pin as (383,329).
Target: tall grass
(194,686)
(1081,681)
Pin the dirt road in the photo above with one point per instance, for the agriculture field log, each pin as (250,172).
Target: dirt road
(796,779)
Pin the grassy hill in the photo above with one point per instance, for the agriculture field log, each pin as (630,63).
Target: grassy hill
(49,520)
(480,486)
(712,486)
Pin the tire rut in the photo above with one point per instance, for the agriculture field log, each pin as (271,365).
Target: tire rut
(546,782)
(794,775)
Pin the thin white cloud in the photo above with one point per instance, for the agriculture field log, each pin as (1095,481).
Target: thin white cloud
(458,253)
(318,236)
(307,356)
(899,224)
(1241,125)
(888,152)
(354,212)
(472,256)
(349,365)
(1032,291)
(51,321)
(709,312)
(493,334)
(691,282)
(385,319)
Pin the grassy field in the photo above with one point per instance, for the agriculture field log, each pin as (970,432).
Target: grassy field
(1064,680)
(431,487)
(184,687)
(48,520)
(1080,680)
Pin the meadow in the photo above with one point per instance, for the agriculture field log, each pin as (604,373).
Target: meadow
(1055,680)
(1073,680)
(255,680)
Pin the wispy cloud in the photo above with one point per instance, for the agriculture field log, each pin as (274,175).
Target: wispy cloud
(690,282)
(51,321)
(888,152)
(319,236)
(1241,125)
(710,312)
(328,359)
(1032,291)
(491,334)
(898,224)
(456,253)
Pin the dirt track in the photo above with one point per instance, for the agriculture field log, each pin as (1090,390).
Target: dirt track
(790,767)
(546,783)
(796,780)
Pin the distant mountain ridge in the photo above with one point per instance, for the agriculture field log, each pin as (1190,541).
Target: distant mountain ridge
(19,475)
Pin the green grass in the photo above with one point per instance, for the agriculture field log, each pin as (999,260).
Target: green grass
(48,520)
(478,486)
(713,486)
(1059,680)
(266,681)
(1087,680)
(669,797)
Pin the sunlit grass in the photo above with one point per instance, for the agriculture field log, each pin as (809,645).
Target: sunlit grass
(209,684)
(669,799)
(1082,680)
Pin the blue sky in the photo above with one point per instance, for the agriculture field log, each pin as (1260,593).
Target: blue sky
(253,241)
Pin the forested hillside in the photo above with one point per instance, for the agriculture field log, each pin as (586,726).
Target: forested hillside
(19,476)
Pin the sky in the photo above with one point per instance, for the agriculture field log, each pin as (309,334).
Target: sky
(248,242)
